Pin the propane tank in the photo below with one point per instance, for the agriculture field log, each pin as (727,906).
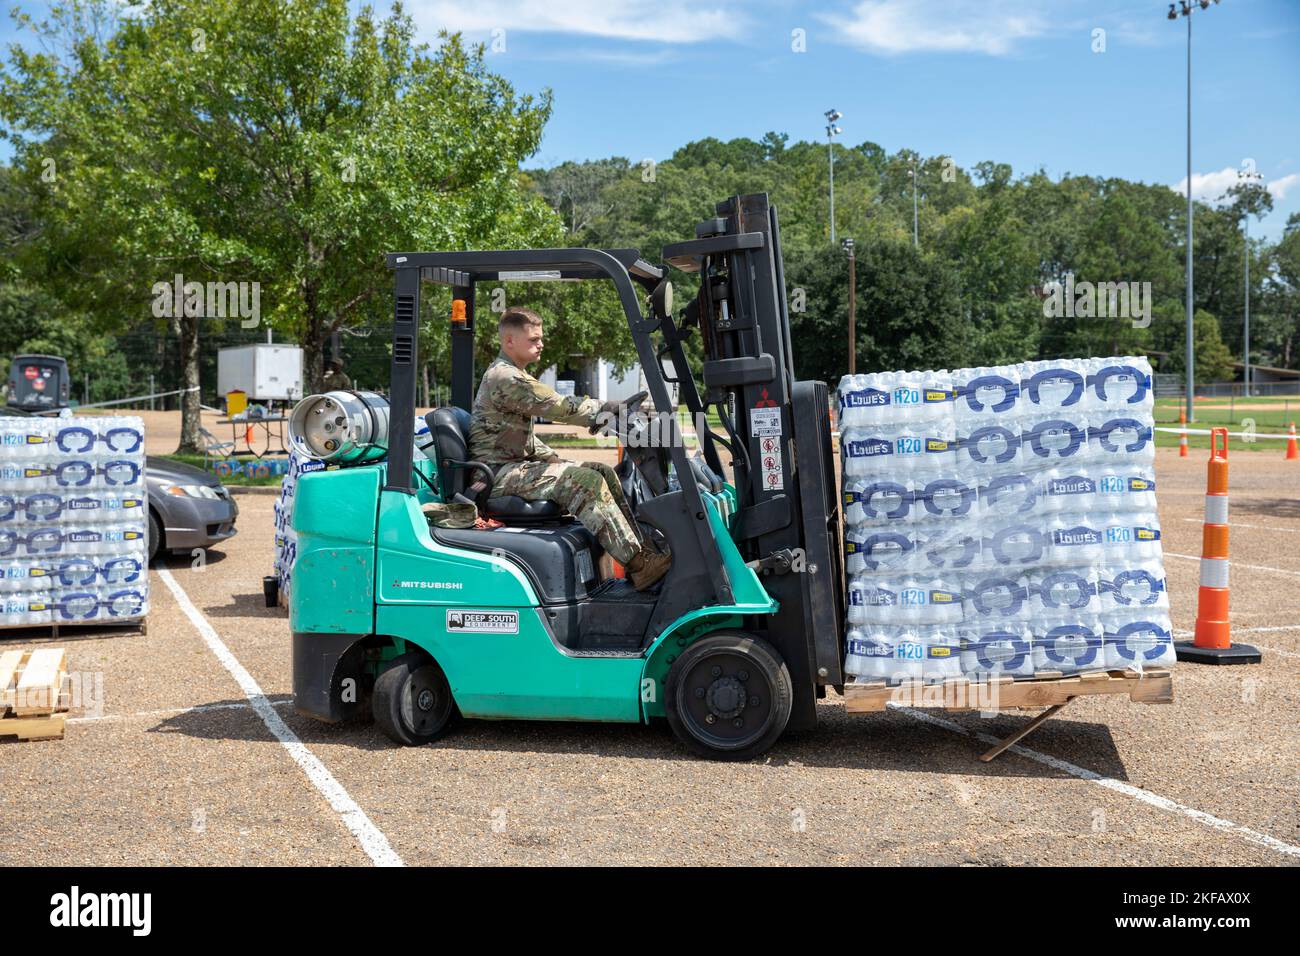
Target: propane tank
(345,428)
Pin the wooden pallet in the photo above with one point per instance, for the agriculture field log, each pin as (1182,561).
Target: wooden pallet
(139,625)
(35,692)
(1041,690)
(1048,689)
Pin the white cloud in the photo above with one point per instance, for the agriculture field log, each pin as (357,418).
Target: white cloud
(1279,187)
(665,21)
(1210,187)
(991,27)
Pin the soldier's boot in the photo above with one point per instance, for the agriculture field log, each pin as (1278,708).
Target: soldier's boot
(647,567)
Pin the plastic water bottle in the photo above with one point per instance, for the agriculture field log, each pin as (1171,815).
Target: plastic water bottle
(126,603)
(996,597)
(1000,649)
(942,654)
(1050,441)
(893,550)
(1137,588)
(870,653)
(1073,539)
(930,599)
(1122,438)
(1125,489)
(1055,387)
(1122,384)
(1131,537)
(1071,486)
(986,393)
(1014,544)
(1068,643)
(1010,495)
(949,548)
(1137,641)
(880,501)
(77,604)
(946,498)
(121,570)
(1063,591)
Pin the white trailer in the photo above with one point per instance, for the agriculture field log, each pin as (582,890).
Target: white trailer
(263,371)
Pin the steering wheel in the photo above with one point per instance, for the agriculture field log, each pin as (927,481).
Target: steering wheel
(633,404)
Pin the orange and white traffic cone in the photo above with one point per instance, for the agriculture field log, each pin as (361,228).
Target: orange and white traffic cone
(1182,439)
(1292,452)
(1213,641)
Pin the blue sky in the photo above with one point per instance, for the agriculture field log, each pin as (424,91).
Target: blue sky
(1015,81)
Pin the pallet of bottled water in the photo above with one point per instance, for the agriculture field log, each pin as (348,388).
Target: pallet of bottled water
(1002,521)
(73,521)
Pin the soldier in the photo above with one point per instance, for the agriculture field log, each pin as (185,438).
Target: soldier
(501,436)
(335,378)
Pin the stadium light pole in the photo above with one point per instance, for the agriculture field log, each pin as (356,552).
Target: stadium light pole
(1187,6)
(832,131)
(1245,235)
(916,234)
(853,307)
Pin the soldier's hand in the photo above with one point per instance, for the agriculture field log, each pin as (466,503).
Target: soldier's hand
(612,412)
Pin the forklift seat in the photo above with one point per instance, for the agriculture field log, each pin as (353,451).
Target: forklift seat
(450,428)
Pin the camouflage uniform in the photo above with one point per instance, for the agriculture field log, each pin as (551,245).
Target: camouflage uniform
(501,435)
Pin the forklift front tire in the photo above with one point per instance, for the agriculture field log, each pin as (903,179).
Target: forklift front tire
(728,696)
(412,700)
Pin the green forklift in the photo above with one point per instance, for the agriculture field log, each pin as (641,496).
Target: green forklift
(421,625)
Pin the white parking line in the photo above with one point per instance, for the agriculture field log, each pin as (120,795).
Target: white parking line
(372,840)
(1252,567)
(1110,783)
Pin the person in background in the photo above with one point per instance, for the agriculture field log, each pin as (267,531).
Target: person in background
(335,378)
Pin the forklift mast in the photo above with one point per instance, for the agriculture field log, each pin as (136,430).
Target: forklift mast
(778,430)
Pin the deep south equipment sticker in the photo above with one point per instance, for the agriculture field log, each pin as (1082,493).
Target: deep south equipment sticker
(483,622)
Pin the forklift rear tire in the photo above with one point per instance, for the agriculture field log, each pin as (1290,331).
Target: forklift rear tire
(728,696)
(412,700)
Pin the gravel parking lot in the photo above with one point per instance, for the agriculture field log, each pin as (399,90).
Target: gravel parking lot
(196,756)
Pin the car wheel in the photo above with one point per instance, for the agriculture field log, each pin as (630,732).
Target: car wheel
(154,539)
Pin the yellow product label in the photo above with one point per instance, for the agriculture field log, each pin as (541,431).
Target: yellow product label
(36,573)
(941,597)
(37,439)
(940,651)
(33,472)
(131,535)
(39,606)
(935,395)
(1146,534)
(935,444)
(1137,484)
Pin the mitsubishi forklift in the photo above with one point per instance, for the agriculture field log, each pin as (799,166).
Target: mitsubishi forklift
(420,625)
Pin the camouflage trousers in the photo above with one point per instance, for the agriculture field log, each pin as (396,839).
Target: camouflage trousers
(589,491)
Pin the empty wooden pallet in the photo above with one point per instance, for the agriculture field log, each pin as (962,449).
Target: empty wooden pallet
(35,691)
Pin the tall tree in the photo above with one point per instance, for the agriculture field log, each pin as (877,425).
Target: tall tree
(286,143)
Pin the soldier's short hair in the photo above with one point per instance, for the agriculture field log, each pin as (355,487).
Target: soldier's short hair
(518,319)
